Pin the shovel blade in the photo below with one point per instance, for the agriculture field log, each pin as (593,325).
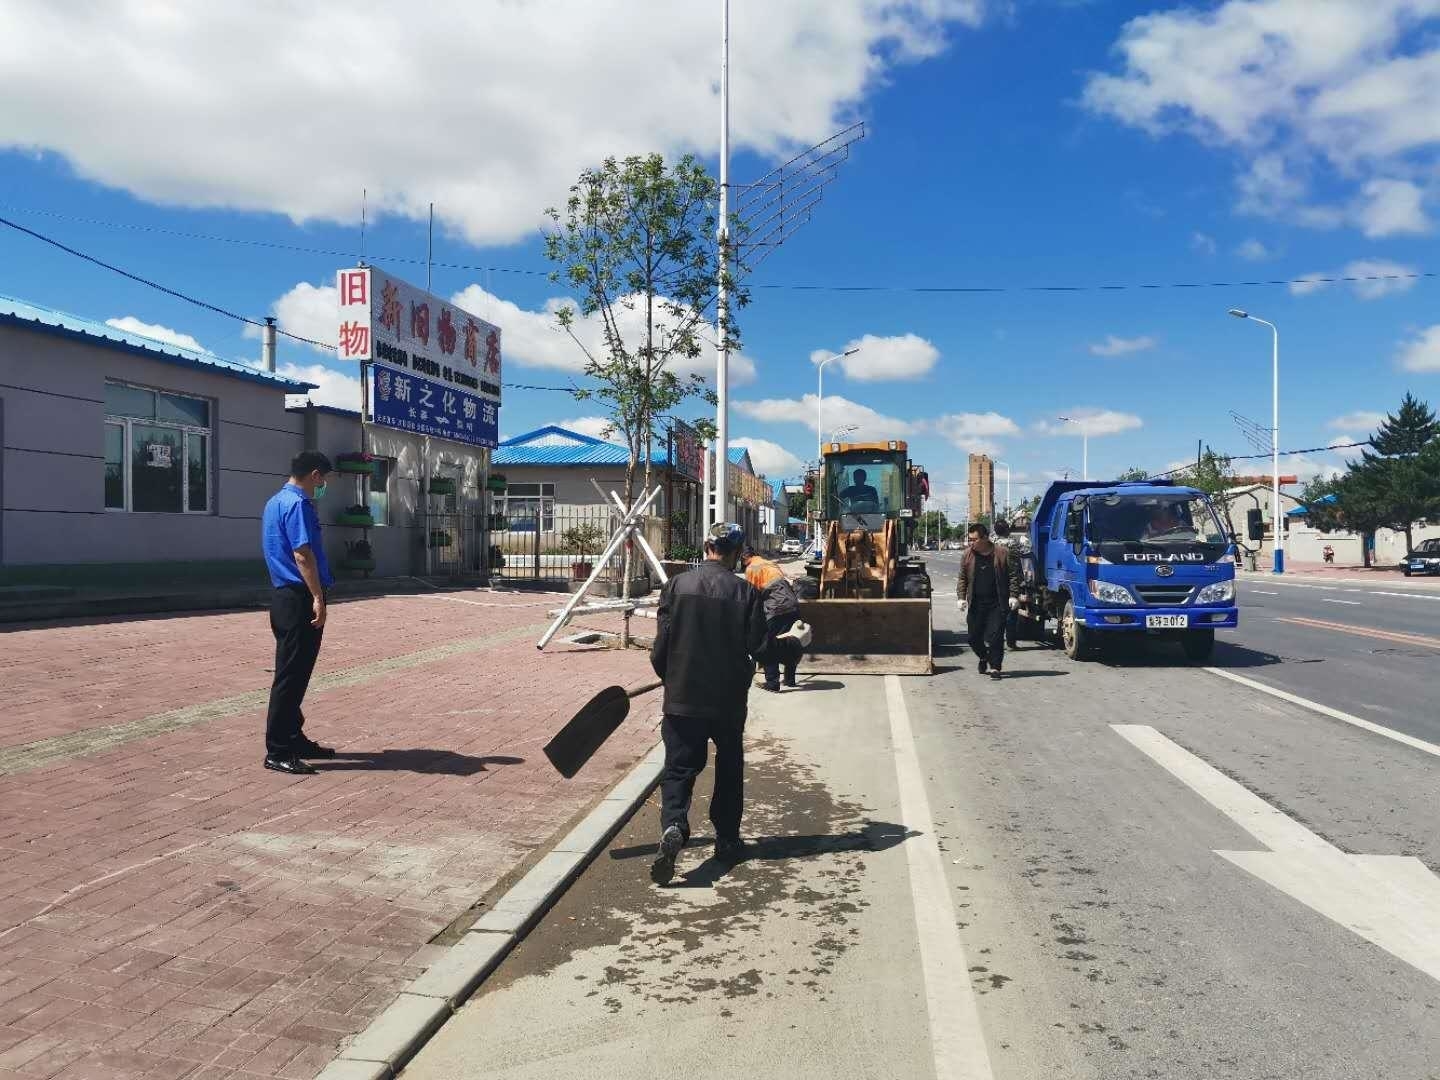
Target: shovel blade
(577,741)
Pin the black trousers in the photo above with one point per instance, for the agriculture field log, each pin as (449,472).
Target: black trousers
(687,742)
(297,646)
(986,623)
(781,653)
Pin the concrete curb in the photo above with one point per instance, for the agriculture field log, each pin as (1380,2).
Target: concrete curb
(397,1034)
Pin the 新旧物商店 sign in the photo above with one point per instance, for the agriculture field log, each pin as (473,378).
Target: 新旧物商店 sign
(387,321)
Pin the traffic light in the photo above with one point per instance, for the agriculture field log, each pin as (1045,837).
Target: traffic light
(1255,524)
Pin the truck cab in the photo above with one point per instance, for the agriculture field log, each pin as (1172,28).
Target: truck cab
(1143,557)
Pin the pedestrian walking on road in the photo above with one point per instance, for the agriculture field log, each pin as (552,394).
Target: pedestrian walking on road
(295,556)
(782,611)
(987,591)
(710,630)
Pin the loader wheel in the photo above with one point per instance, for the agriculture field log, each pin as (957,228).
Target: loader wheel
(915,587)
(1075,639)
(807,588)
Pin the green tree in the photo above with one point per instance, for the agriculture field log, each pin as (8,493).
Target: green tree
(636,242)
(1132,474)
(1398,482)
(1213,474)
(798,505)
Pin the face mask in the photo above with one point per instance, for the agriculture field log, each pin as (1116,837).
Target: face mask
(320,492)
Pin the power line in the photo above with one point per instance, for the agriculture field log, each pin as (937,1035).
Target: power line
(206,304)
(941,290)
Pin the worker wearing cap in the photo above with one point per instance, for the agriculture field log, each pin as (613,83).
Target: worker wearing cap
(710,628)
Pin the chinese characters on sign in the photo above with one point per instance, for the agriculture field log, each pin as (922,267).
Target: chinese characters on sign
(686,455)
(384,319)
(409,402)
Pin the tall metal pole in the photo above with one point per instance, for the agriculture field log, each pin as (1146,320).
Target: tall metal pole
(430,247)
(1006,464)
(1275,510)
(722,310)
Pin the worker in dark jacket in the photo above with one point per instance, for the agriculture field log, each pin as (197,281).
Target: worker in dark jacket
(711,627)
(782,611)
(988,590)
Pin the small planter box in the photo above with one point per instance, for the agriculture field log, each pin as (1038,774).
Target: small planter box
(358,468)
(442,486)
(440,540)
(579,570)
(358,565)
(360,521)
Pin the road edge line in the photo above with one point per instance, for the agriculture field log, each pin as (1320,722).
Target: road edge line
(957,1040)
(424,1005)
(1326,710)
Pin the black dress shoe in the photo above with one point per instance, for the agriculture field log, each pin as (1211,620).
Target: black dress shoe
(291,765)
(730,850)
(310,748)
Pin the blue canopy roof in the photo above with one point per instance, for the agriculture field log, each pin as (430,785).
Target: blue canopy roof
(1301,511)
(555,445)
(22,313)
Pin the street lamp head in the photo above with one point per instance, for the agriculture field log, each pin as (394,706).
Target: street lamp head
(851,352)
(1067,420)
(1239,314)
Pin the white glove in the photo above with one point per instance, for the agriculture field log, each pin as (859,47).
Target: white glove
(962,605)
(1014,603)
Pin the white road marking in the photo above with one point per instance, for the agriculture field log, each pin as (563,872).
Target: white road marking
(1264,592)
(1332,600)
(957,1042)
(1418,592)
(1408,595)
(1326,710)
(1391,901)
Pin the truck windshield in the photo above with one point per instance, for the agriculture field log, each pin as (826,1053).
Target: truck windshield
(1154,519)
(863,485)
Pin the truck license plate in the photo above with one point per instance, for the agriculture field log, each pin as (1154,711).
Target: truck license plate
(1167,622)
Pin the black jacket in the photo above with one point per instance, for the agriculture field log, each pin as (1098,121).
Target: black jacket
(711,627)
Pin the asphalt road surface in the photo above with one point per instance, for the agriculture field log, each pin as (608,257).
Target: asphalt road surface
(1137,868)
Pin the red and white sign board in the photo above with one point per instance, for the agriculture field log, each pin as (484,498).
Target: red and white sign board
(388,321)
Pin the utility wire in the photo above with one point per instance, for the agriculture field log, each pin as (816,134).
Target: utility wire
(205,304)
(958,290)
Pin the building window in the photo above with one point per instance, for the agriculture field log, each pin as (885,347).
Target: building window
(524,503)
(157,451)
(380,490)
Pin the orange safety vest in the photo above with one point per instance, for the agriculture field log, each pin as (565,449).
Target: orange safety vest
(762,573)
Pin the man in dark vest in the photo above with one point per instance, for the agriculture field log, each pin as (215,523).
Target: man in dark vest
(988,590)
(710,628)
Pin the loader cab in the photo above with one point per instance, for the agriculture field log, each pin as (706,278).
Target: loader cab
(864,486)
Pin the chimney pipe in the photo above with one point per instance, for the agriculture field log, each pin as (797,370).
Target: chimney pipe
(267,347)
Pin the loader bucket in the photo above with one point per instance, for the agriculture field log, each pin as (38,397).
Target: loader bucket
(868,637)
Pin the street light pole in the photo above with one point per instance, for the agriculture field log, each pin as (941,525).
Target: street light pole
(1084,446)
(820,426)
(720,510)
(1278,520)
(1007,488)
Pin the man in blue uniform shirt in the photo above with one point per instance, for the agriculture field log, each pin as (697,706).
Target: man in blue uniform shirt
(295,556)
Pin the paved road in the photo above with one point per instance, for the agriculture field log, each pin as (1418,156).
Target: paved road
(1130,869)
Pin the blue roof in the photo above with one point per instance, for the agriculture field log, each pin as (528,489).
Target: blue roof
(555,445)
(14,312)
(1301,511)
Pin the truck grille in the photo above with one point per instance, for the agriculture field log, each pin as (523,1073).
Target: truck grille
(1164,594)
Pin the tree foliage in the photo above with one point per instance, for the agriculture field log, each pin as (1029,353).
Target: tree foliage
(1131,474)
(636,243)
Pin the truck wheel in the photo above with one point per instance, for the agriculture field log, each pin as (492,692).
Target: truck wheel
(1074,638)
(1198,644)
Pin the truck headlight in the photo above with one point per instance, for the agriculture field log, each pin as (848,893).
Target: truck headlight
(1219,593)
(1108,593)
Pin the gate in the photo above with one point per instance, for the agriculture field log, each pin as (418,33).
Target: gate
(552,547)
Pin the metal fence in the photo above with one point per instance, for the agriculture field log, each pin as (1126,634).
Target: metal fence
(552,548)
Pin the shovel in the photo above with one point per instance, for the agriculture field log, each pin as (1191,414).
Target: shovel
(577,741)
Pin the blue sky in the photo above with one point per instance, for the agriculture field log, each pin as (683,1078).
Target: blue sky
(1009,146)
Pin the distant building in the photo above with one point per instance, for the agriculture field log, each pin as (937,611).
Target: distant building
(982,487)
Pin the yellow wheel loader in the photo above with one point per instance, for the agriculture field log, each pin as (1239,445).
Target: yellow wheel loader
(865,597)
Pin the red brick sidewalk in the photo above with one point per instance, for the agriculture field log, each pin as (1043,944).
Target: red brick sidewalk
(169,909)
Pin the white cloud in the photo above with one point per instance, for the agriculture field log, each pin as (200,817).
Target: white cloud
(1294,88)
(1372,279)
(489,108)
(770,459)
(1422,352)
(839,412)
(1393,208)
(534,339)
(1342,441)
(1204,244)
(1357,421)
(1118,346)
(1253,250)
(976,432)
(155,331)
(310,311)
(335,388)
(907,356)
(1093,422)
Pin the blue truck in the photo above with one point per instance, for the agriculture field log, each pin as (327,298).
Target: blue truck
(1143,557)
